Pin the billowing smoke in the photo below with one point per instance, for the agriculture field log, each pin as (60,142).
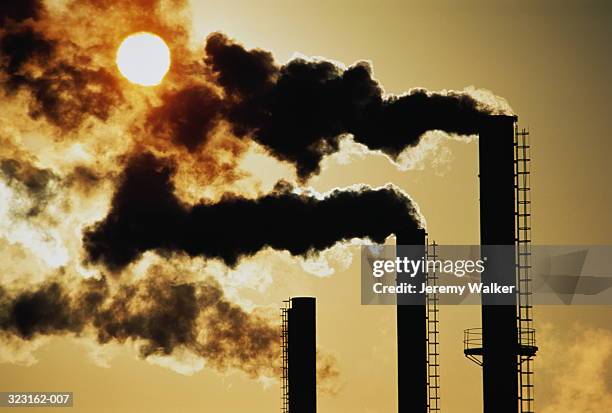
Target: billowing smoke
(65,87)
(57,64)
(300,110)
(186,116)
(18,11)
(37,184)
(158,313)
(147,215)
(66,77)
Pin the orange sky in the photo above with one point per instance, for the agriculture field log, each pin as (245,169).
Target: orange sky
(551,61)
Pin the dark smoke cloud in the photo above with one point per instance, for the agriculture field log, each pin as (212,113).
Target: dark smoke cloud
(146,215)
(37,184)
(18,11)
(300,110)
(65,88)
(242,73)
(159,313)
(85,179)
(186,116)
(35,180)
(24,45)
(43,311)
(35,188)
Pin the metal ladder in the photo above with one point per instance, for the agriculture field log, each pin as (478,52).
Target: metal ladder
(285,356)
(526,333)
(433,350)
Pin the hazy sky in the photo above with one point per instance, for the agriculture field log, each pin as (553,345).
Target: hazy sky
(550,60)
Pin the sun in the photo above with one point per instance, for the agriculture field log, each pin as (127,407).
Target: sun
(143,58)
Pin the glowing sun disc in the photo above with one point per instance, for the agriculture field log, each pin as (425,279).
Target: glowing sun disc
(143,58)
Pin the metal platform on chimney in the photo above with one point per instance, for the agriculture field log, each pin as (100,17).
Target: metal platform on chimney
(473,348)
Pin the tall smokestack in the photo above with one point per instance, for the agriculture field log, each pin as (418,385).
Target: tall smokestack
(411,332)
(302,355)
(497,227)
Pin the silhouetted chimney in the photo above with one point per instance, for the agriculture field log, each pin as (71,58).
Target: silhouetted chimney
(302,355)
(497,227)
(411,332)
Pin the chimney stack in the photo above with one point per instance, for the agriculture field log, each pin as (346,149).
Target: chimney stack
(497,227)
(302,355)
(411,332)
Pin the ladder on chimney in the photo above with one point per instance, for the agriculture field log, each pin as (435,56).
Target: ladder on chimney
(526,332)
(433,331)
(285,356)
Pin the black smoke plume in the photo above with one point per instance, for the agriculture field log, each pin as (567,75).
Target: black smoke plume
(64,87)
(146,215)
(18,11)
(300,110)
(158,313)
(186,117)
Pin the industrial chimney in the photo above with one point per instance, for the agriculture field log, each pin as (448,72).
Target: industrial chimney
(497,227)
(299,379)
(505,346)
(411,332)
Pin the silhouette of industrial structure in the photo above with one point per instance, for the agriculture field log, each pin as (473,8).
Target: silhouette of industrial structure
(505,344)
(412,333)
(299,355)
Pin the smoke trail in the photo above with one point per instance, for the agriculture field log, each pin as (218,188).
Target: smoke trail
(65,88)
(19,11)
(64,60)
(297,111)
(328,374)
(37,185)
(186,116)
(146,215)
(158,312)
(300,110)
(62,64)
